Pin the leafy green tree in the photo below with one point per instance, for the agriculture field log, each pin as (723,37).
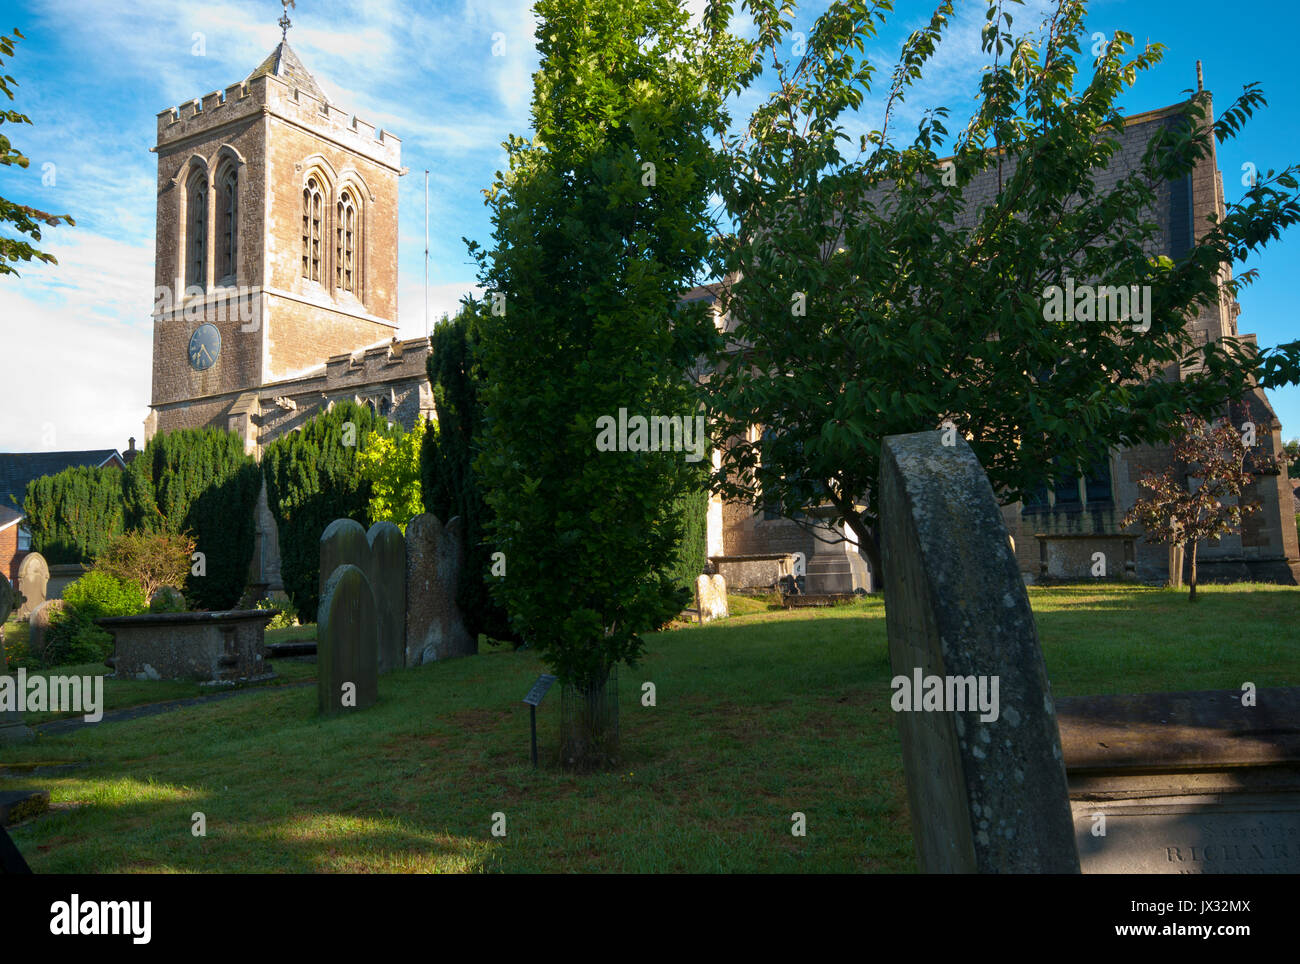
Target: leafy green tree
(874,298)
(600,222)
(200,482)
(312,478)
(391,464)
(73,515)
(148,561)
(450,484)
(21,218)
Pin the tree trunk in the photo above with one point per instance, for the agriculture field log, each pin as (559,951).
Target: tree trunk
(1191,582)
(589,731)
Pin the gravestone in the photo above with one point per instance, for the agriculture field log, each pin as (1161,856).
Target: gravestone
(347,655)
(987,792)
(711,592)
(381,555)
(435,628)
(33,583)
(12,728)
(38,625)
(387,575)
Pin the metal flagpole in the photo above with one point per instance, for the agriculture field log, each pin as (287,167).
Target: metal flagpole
(426,252)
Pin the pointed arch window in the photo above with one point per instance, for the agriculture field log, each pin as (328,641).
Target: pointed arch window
(347,252)
(227,222)
(313,211)
(196,230)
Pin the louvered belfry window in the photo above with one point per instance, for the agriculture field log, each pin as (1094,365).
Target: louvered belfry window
(196,230)
(348,245)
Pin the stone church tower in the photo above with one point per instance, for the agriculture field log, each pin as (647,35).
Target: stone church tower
(276,266)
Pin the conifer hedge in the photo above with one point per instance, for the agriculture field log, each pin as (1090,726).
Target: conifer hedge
(73,515)
(202,482)
(312,478)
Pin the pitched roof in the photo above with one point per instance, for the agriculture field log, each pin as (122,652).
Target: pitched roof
(19,468)
(284,64)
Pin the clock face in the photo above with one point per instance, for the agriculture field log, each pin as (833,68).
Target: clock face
(205,346)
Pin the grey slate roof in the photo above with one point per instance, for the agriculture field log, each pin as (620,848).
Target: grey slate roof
(284,64)
(19,468)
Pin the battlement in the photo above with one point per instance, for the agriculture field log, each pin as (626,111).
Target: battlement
(202,113)
(377,362)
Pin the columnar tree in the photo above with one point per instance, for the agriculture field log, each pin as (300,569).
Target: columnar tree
(874,298)
(1201,494)
(449,483)
(600,223)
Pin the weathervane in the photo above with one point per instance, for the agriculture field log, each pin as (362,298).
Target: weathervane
(284,21)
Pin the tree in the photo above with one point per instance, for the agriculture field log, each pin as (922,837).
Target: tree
(23,219)
(391,465)
(312,478)
(600,222)
(148,561)
(73,515)
(872,297)
(201,482)
(449,483)
(1200,495)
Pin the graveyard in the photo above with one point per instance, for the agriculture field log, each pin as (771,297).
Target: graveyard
(756,717)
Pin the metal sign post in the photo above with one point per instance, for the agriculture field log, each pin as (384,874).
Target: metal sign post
(534,699)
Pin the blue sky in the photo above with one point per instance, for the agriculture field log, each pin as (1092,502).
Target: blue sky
(93,75)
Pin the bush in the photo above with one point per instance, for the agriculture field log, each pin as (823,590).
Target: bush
(150,562)
(73,636)
(99,594)
(286,617)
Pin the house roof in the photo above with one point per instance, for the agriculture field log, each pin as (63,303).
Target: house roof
(284,64)
(8,516)
(19,468)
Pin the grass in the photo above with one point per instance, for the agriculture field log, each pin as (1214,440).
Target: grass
(756,718)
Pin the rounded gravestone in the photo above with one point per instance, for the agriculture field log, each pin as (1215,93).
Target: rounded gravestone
(167,599)
(39,626)
(33,581)
(343,543)
(387,575)
(347,658)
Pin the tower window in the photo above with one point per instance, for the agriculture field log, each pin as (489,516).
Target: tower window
(312,213)
(196,231)
(348,245)
(228,222)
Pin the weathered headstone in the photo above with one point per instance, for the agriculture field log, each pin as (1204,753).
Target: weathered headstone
(381,555)
(712,594)
(12,728)
(987,791)
(435,628)
(387,575)
(33,582)
(347,656)
(38,626)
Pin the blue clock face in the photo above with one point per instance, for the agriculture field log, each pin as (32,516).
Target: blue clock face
(205,346)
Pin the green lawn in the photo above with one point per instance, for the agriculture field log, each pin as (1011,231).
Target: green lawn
(757,717)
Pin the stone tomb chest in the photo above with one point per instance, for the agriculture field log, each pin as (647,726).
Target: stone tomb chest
(211,647)
(1188,783)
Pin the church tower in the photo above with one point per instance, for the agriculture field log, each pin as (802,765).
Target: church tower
(276,245)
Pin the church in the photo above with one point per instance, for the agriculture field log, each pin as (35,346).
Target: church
(276,296)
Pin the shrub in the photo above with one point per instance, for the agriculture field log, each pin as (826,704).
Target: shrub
(286,617)
(99,594)
(148,561)
(73,636)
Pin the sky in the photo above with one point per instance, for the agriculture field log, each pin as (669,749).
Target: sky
(77,337)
